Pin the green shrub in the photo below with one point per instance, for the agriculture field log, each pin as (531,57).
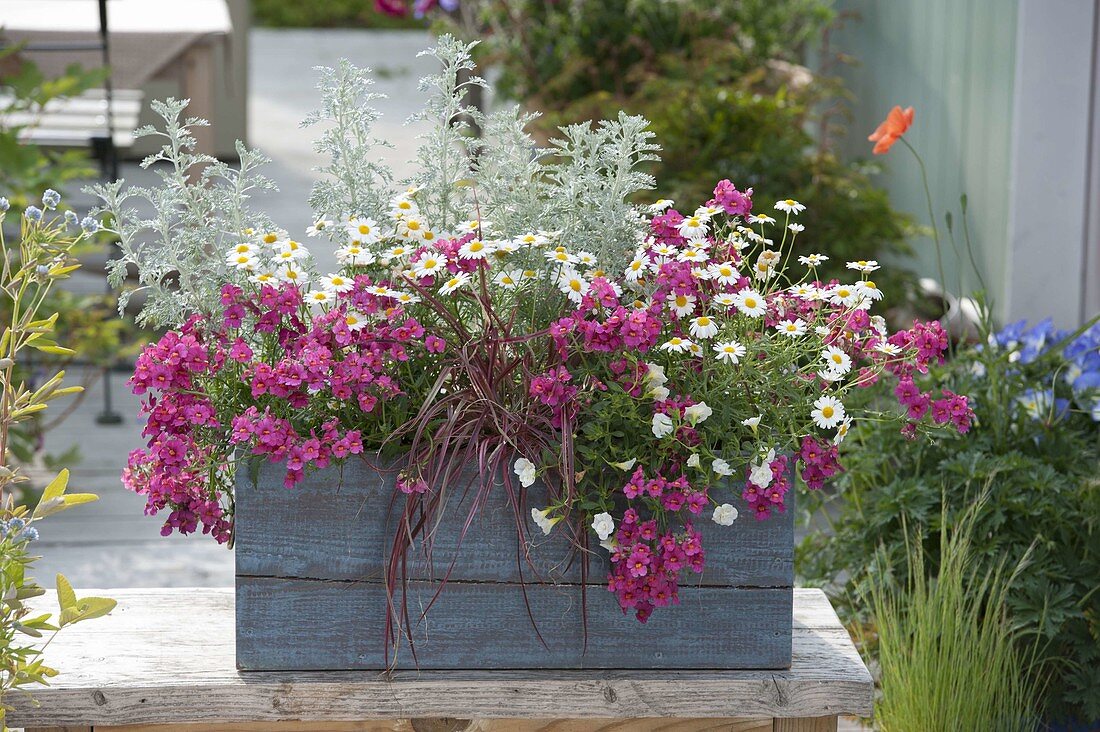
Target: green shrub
(1035,448)
(327,14)
(948,657)
(724,88)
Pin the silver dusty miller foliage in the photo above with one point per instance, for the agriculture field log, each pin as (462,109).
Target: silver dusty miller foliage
(580,186)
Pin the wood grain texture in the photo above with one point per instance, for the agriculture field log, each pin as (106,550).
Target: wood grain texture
(806,724)
(166,656)
(338,524)
(446,724)
(309,625)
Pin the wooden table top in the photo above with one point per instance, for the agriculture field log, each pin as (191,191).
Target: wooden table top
(167,656)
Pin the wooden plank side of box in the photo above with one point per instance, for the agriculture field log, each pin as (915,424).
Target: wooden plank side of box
(338,524)
(313,625)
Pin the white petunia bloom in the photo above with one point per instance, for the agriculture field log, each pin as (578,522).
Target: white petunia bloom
(625,465)
(693,461)
(655,374)
(676,344)
(721,467)
(792,328)
(789,206)
(724,515)
(750,302)
(525,470)
(703,327)
(662,425)
(760,472)
(730,351)
(752,422)
(459,280)
(697,413)
(828,412)
(659,393)
(542,519)
(603,525)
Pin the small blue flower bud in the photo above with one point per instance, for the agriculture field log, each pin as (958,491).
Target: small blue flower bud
(28,534)
(89,225)
(50,198)
(71,219)
(4,204)
(16,524)
(33,213)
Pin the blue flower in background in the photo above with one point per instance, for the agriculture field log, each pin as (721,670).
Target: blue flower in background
(4,204)
(18,530)
(32,213)
(50,198)
(70,218)
(89,225)
(1041,404)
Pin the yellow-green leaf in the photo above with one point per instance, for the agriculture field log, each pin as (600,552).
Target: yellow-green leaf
(57,486)
(87,608)
(62,503)
(55,350)
(66,598)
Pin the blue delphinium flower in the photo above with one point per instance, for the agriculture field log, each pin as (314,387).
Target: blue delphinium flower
(4,204)
(71,219)
(32,213)
(89,224)
(50,198)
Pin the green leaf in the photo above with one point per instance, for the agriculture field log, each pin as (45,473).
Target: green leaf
(52,493)
(87,608)
(66,598)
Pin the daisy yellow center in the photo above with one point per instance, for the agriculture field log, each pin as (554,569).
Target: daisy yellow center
(398,251)
(528,239)
(702,322)
(428,236)
(693,221)
(364,229)
(529,273)
(575,285)
(827,412)
(413,225)
(351,320)
(337,280)
(243,248)
(681,301)
(453,282)
(789,202)
(837,358)
(635,266)
(430,263)
(843,293)
(292,245)
(320,296)
(870,285)
(404,205)
(750,302)
(725,271)
(507,280)
(270,238)
(792,327)
(291,275)
(476,246)
(675,341)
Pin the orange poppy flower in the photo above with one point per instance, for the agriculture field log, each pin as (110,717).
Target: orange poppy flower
(894,126)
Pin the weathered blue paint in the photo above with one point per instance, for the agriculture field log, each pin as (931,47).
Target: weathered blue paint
(311,593)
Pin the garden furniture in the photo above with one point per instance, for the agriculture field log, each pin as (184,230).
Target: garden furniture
(164,660)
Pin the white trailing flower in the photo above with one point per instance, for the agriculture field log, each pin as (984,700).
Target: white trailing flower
(542,519)
(525,470)
(697,413)
(603,525)
(721,467)
(724,515)
(662,425)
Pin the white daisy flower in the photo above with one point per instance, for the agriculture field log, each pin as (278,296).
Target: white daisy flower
(586,258)
(414,229)
(796,228)
(573,284)
(396,253)
(828,412)
(830,377)
(666,250)
(729,351)
(508,279)
(474,249)
(836,360)
(381,291)
(761,218)
(660,205)
(560,256)
(680,305)
(693,227)
(405,298)
(725,299)
(355,320)
(336,283)
(676,344)
(812,260)
(703,327)
(263,278)
(245,262)
(724,515)
(430,263)
(244,247)
(321,226)
(320,297)
(887,348)
(846,295)
(692,254)
(869,290)
(473,226)
(531,240)
(354,255)
(402,207)
(750,302)
(803,291)
(272,238)
(864,265)
(293,275)
(763,270)
(792,328)
(724,273)
(842,430)
(707,212)
(459,280)
(637,267)
(294,249)
(362,228)
(789,206)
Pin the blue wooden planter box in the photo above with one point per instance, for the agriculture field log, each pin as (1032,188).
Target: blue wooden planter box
(311,593)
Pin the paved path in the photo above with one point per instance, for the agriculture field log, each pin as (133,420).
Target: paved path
(111,543)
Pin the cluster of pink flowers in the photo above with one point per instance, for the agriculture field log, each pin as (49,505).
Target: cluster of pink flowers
(768,499)
(554,389)
(820,461)
(646,564)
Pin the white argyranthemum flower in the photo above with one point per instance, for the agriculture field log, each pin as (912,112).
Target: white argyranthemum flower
(730,351)
(761,218)
(291,249)
(721,467)
(320,297)
(836,360)
(587,259)
(869,290)
(763,270)
(473,226)
(429,264)
(789,206)
(676,344)
(508,279)
(864,265)
(320,226)
(459,280)
(381,291)
(603,525)
(354,255)
(637,267)
(526,471)
(803,291)
(846,295)
(724,273)
(660,205)
(812,260)
(244,247)
(828,412)
(542,519)
(560,256)
(397,253)
(842,430)
(293,275)
(796,228)
(531,240)
(724,515)
(413,229)
(681,305)
(725,299)
(691,254)
(573,284)
(750,302)
(474,249)
(363,229)
(666,250)
(263,278)
(405,298)
(337,283)
(887,348)
(697,413)
(792,328)
(703,327)
(246,262)
(878,324)
(355,320)
(403,207)
(693,227)
(662,425)
(708,212)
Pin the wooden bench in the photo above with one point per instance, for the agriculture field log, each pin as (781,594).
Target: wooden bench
(76,121)
(164,660)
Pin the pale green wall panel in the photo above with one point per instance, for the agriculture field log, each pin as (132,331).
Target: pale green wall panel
(954,61)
